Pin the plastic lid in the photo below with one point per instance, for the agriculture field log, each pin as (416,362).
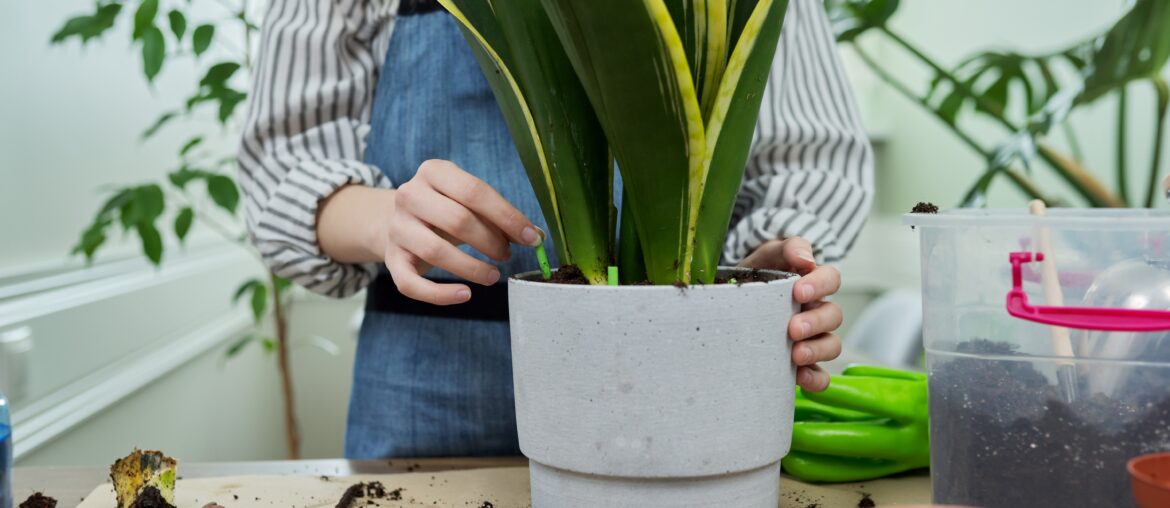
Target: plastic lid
(1111,218)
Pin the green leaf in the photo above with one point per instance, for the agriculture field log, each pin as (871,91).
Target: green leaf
(729,132)
(244,288)
(551,121)
(152,245)
(223,192)
(229,99)
(115,202)
(92,238)
(192,143)
(90,26)
(1136,47)
(218,74)
(259,302)
(632,64)
(159,123)
(185,175)
(178,23)
(282,284)
(851,18)
(183,222)
(949,109)
(154,52)
(996,95)
(144,17)
(268,344)
(201,38)
(149,202)
(239,345)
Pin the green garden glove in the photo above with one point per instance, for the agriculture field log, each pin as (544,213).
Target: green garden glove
(871,422)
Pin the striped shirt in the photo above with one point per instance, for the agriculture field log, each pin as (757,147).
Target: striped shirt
(810,171)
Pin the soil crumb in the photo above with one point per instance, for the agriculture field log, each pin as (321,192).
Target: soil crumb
(38,500)
(372,490)
(568,274)
(866,501)
(924,207)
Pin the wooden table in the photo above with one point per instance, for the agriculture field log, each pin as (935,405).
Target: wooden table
(68,484)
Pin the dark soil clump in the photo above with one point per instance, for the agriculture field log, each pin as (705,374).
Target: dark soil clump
(372,490)
(151,498)
(866,502)
(1011,440)
(38,500)
(924,207)
(568,274)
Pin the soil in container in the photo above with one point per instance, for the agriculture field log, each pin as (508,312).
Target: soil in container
(1013,441)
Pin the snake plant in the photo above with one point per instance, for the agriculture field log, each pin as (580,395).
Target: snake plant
(668,89)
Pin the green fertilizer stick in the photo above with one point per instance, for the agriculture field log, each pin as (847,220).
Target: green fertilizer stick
(542,258)
(613,276)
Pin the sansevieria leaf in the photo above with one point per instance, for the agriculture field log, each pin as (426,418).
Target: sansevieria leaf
(633,64)
(730,127)
(552,124)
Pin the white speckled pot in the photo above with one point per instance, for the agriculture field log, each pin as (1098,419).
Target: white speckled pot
(653,396)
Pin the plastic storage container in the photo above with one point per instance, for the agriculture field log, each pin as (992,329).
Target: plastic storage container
(1017,419)
(5,455)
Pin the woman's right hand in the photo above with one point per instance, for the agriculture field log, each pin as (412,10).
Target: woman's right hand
(420,224)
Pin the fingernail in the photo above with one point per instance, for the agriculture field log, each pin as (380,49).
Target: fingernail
(463,295)
(531,236)
(806,293)
(493,276)
(806,255)
(803,378)
(805,329)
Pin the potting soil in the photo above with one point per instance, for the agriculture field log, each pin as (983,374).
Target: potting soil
(1002,436)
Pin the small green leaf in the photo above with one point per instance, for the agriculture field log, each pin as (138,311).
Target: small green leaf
(282,284)
(239,345)
(244,288)
(162,120)
(218,74)
(92,238)
(88,27)
(184,176)
(201,38)
(149,202)
(183,222)
(152,245)
(144,17)
(268,344)
(259,301)
(223,192)
(228,100)
(192,143)
(116,201)
(154,52)
(178,23)
(949,109)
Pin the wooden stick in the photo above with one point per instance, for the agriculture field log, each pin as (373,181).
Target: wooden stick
(1050,282)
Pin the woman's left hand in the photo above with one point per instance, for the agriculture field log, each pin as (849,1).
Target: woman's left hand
(812,329)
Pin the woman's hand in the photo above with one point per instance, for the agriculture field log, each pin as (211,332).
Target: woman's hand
(812,329)
(419,225)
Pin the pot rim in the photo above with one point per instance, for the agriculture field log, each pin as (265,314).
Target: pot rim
(1142,476)
(532,278)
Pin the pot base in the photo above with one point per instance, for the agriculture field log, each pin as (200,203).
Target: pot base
(562,488)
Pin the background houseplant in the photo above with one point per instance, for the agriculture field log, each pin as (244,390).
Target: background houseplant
(1030,97)
(200,189)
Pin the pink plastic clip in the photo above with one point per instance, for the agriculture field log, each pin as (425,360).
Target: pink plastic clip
(1084,318)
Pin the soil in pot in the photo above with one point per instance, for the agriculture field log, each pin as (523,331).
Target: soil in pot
(571,274)
(1017,443)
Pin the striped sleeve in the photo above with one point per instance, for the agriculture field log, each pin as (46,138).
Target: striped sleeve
(810,173)
(304,136)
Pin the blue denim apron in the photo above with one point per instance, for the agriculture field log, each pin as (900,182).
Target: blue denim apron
(425,385)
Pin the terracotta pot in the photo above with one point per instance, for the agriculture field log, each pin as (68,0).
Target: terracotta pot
(653,395)
(1150,475)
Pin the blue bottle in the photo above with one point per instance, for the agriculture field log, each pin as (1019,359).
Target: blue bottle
(5,455)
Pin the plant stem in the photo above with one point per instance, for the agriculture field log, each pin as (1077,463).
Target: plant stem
(292,434)
(1120,146)
(247,34)
(1163,92)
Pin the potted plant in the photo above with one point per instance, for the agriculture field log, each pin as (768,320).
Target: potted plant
(641,394)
